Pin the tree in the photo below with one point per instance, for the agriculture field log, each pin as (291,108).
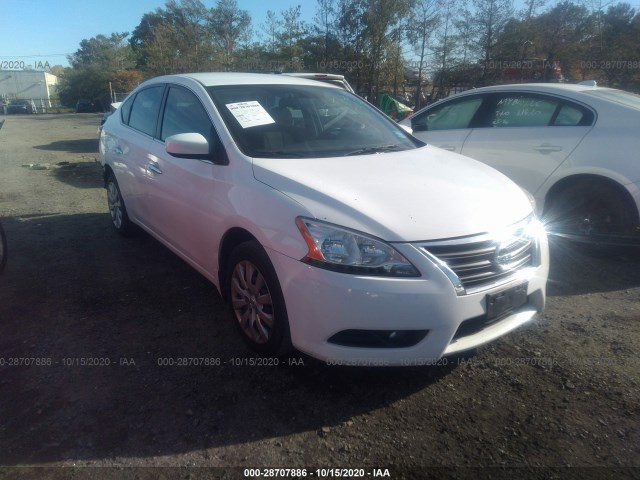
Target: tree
(531,7)
(111,52)
(445,46)
(228,24)
(88,81)
(489,20)
(175,39)
(563,34)
(325,20)
(424,19)
(618,39)
(382,18)
(293,30)
(272,27)
(93,66)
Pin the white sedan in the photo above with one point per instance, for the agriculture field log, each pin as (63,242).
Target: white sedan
(326,226)
(574,147)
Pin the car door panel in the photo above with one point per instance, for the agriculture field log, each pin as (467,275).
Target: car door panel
(181,192)
(182,198)
(527,155)
(527,136)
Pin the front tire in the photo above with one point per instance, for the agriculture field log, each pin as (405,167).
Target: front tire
(256,300)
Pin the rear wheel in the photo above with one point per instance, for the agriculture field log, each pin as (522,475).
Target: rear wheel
(117,209)
(256,300)
(592,213)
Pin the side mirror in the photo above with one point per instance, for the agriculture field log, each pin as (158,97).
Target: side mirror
(187,145)
(418,127)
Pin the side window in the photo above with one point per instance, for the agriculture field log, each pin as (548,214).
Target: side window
(451,115)
(184,113)
(145,108)
(522,110)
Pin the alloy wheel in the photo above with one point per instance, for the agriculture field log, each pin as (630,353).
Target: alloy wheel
(251,302)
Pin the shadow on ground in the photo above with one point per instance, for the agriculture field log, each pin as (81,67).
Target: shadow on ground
(576,271)
(106,324)
(104,315)
(79,174)
(84,145)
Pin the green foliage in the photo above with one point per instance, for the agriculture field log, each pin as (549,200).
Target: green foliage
(455,44)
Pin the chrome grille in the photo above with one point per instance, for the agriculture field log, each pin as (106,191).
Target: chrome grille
(487,262)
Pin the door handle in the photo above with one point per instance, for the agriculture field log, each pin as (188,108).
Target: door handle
(547,148)
(118,150)
(154,167)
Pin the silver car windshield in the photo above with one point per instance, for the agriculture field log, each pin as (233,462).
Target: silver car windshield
(276,121)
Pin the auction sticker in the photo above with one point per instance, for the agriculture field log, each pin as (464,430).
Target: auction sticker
(250,114)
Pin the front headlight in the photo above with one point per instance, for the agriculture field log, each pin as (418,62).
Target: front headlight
(343,250)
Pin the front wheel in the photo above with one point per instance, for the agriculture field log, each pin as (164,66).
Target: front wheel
(256,300)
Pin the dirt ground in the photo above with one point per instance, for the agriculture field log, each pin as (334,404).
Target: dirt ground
(89,321)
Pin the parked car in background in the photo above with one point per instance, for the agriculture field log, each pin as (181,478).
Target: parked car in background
(84,106)
(573,147)
(324,224)
(20,106)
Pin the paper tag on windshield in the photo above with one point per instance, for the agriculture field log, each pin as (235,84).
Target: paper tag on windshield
(250,114)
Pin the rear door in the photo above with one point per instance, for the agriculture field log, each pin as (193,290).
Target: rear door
(527,136)
(133,146)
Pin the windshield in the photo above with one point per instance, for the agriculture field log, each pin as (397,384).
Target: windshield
(624,98)
(275,121)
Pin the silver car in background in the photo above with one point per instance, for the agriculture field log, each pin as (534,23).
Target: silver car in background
(575,148)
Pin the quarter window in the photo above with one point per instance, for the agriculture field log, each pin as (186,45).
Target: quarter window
(145,108)
(569,116)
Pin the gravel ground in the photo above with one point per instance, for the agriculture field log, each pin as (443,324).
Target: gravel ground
(90,319)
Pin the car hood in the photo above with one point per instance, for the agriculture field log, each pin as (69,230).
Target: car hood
(421,194)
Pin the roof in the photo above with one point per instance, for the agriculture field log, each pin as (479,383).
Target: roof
(239,78)
(547,87)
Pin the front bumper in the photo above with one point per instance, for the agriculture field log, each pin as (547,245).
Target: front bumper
(321,304)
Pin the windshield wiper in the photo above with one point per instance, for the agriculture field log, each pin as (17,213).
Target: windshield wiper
(377,149)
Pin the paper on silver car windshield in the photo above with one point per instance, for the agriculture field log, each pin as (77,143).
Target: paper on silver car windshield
(250,114)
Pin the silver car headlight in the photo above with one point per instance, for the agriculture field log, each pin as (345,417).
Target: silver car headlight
(347,251)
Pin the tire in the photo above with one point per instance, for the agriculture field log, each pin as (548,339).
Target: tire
(117,210)
(591,213)
(3,249)
(256,300)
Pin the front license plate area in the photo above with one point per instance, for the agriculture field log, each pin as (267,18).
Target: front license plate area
(501,302)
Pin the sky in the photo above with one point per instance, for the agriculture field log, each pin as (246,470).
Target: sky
(33,31)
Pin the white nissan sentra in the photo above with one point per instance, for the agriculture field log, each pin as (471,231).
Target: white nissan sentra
(325,226)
